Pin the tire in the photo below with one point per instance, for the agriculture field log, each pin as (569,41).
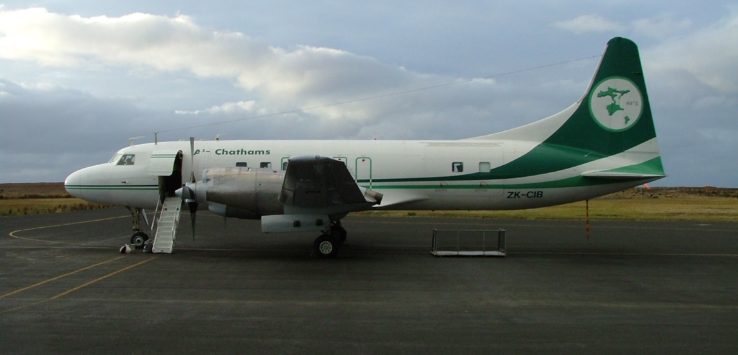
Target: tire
(138,239)
(326,247)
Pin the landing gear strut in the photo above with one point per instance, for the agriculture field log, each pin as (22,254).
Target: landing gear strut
(139,238)
(328,243)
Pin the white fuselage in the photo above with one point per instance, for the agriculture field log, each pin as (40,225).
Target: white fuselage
(421,175)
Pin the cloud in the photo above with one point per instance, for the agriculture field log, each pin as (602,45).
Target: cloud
(285,77)
(225,108)
(706,55)
(316,83)
(693,91)
(588,24)
(661,26)
(63,120)
(314,92)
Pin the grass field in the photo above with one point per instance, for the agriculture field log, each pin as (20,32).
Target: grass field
(37,198)
(688,208)
(26,206)
(683,203)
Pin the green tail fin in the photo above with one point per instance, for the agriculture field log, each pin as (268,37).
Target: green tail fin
(614,116)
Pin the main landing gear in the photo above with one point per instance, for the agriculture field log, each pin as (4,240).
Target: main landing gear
(139,238)
(328,243)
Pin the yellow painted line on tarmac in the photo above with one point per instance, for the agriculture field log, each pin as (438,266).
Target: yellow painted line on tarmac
(14,234)
(88,283)
(79,287)
(60,276)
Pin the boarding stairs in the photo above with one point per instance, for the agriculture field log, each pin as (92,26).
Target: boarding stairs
(166,225)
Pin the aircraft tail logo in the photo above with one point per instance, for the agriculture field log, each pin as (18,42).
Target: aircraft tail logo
(616,104)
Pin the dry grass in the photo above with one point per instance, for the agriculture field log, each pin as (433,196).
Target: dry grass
(683,203)
(33,190)
(38,198)
(28,206)
(680,208)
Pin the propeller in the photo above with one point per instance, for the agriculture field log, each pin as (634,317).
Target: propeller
(188,194)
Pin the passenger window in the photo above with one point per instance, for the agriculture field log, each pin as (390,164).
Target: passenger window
(457,167)
(265,164)
(284,165)
(241,164)
(127,159)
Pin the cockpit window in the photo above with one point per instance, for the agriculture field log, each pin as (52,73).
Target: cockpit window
(115,158)
(127,159)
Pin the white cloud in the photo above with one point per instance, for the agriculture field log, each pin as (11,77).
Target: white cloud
(305,76)
(707,55)
(589,23)
(325,93)
(320,88)
(225,108)
(661,26)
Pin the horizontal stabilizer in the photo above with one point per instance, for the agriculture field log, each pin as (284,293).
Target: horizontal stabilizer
(612,175)
(648,170)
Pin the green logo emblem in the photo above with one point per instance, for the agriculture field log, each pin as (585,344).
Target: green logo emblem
(616,104)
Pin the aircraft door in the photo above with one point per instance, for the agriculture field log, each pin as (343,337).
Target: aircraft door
(363,171)
(167,165)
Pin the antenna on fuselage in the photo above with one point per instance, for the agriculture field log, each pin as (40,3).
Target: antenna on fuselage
(156,138)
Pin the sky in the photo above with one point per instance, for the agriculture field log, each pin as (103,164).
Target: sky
(80,79)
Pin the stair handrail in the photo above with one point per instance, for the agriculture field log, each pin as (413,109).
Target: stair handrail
(156,219)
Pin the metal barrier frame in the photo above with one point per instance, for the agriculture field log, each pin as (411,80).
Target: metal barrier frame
(500,251)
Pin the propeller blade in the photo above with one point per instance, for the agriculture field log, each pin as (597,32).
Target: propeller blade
(187,193)
(192,159)
(193,213)
(192,199)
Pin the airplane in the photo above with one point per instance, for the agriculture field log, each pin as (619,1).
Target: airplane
(603,143)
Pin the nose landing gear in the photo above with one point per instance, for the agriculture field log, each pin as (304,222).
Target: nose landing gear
(139,238)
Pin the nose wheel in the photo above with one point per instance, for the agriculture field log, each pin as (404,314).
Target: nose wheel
(138,240)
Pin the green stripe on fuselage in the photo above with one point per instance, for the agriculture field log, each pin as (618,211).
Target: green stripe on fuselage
(576,181)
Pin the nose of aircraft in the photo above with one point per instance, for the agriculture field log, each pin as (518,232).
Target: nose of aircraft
(73,180)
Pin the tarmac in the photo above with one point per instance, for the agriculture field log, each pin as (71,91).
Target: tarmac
(635,287)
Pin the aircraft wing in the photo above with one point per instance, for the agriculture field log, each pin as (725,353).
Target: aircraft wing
(319,185)
(317,190)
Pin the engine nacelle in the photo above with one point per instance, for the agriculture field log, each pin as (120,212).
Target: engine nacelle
(241,192)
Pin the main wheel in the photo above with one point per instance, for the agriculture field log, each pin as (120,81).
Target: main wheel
(326,246)
(138,239)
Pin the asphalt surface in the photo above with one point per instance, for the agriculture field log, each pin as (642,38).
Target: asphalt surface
(632,287)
